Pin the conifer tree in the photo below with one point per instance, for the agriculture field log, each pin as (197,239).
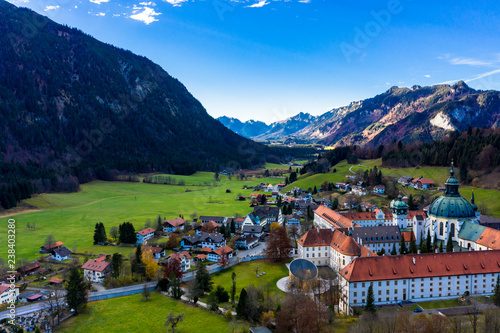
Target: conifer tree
(402,246)
(413,244)
(242,307)
(394,252)
(496,295)
(76,290)
(449,244)
(428,241)
(370,301)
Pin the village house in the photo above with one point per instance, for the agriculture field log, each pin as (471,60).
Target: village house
(264,216)
(405,180)
(246,242)
(7,294)
(144,235)
(422,183)
(158,252)
(379,189)
(255,230)
(292,220)
(217,219)
(215,255)
(204,239)
(418,277)
(50,247)
(29,268)
(61,253)
(183,258)
(174,225)
(96,270)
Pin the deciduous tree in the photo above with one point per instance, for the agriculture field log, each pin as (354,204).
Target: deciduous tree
(173,320)
(279,246)
(150,265)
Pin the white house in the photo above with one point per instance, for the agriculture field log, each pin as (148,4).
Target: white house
(183,257)
(144,235)
(204,239)
(95,270)
(247,242)
(158,252)
(173,225)
(216,254)
(61,253)
(7,294)
(418,277)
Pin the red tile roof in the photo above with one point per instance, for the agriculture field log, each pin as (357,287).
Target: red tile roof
(334,218)
(223,250)
(178,256)
(177,222)
(146,231)
(407,235)
(213,223)
(4,288)
(156,249)
(490,238)
(53,245)
(101,258)
(201,256)
(56,280)
(335,239)
(206,249)
(376,268)
(94,265)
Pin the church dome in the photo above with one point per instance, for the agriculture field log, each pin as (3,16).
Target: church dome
(399,203)
(451,204)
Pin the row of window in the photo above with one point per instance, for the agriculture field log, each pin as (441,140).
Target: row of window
(440,278)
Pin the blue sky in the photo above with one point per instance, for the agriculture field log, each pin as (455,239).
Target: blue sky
(270,59)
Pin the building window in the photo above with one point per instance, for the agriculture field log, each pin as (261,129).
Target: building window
(362,285)
(355,294)
(363,294)
(380,284)
(380,292)
(441,228)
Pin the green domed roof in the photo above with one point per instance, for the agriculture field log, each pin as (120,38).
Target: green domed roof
(451,207)
(399,204)
(451,204)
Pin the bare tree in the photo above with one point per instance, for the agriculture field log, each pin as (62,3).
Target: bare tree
(146,293)
(491,321)
(55,305)
(173,320)
(473,313)
(457,324)
(49,240)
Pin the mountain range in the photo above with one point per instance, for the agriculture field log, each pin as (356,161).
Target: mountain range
(74,107)
(406,114)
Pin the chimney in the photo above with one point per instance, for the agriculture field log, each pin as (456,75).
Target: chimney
(413,260)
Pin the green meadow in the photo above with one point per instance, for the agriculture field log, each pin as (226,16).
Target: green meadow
(132,314)
(71,217)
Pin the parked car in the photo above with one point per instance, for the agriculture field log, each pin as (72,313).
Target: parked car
(418,310)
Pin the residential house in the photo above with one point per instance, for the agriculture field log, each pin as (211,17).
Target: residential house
(418,277)
(264,216)
(379,189)
(158,252)
(183,258)
(96,271)
(292,220)
(48,248)
(255,230)
(422,183)
(144,235)
(29,268)
(247,242)
(204,239)
(218,219)
(405,180)
(56,281)
(173,225)
(216,254)
(61,253)
(7,294)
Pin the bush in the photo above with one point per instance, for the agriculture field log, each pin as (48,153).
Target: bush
(163,284)
(228,315)
(221,294)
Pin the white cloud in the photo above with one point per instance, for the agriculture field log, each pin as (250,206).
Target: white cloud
(147,15)
(175,3)
(483,75)
(427,75)
(259,4)
(99,1)
(470,62)
(51,8)
(147,4)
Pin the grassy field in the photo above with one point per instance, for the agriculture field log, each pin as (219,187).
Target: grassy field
(245,275)
(131,314)
(71,218)
(274,166)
